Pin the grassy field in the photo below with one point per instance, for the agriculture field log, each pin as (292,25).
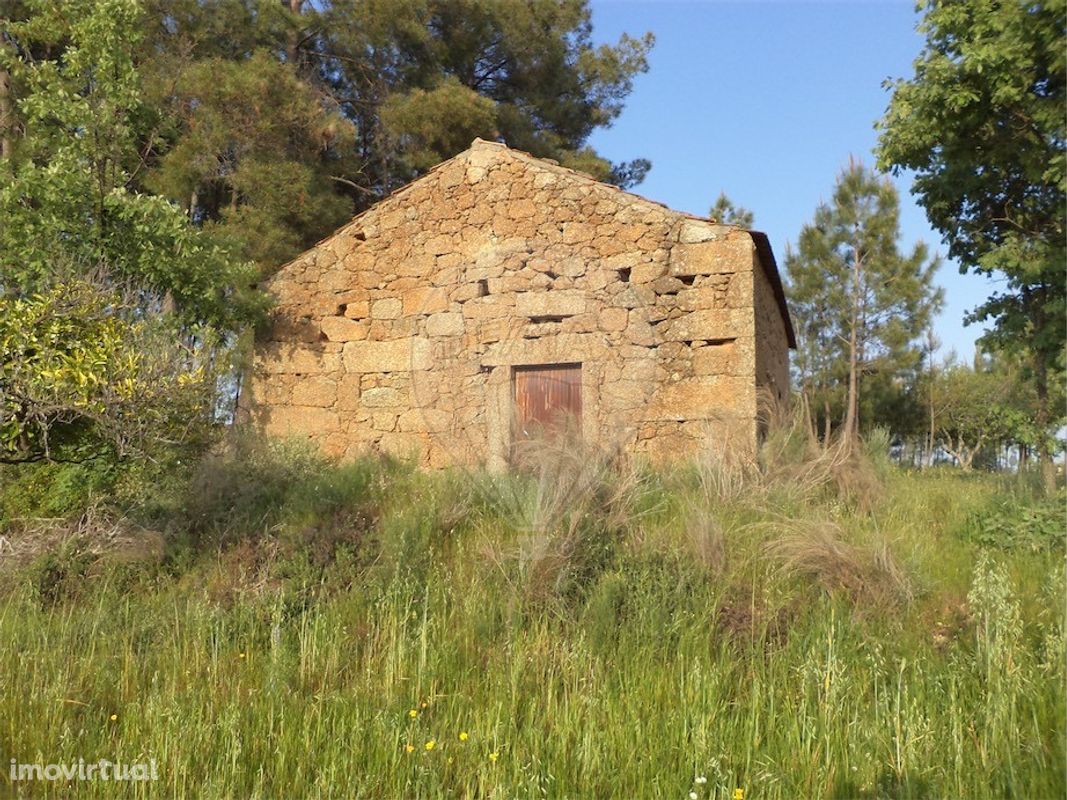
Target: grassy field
(278,627)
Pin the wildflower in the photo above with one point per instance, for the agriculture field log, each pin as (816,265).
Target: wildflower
(114,717)
(425,704)
(450,759)
(739,794)
(701,780)
(692,796)
(464,736)
(240,655)
(409,747)
(494,756)
(430,745)
(413,713)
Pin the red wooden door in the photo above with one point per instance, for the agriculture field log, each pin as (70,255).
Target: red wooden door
(547,398)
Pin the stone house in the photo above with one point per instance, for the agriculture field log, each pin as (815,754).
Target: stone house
(479,301)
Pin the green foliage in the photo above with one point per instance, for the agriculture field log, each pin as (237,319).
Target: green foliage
(116,313)
(59,576)
(413,121)
(1019,523)
(50,489)
(243,492)
(346,100)
(726,212)
(861,304)
(69,196)
(253,149)
(82,376)
(970,410)
(981,123)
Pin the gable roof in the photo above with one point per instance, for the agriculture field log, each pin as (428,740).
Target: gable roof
(483,150)
(770,269)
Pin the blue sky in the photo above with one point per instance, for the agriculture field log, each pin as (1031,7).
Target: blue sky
(766,101)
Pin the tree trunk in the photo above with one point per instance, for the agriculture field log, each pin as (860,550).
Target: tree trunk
(7,117)
(851,427)
(826,422)
(1048,467)
(958,450)
(292,50)
(931,428)
(809,413)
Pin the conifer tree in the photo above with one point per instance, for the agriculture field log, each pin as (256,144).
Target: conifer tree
(860,302)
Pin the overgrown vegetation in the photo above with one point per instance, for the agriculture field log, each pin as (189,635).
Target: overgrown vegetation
(586,627)
(805,621)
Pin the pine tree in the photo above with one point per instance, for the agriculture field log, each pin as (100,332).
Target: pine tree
(280,118)
(860,303)
(727,213)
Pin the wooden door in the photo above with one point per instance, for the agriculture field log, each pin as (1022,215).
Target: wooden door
(547,399)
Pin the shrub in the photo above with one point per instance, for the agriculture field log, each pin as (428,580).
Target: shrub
(56,576)
(1034,524)
(49,489)
(240,490)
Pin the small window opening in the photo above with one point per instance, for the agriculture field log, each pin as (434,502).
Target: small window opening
(548,318)
(483,287)
(624,274)
(688,279)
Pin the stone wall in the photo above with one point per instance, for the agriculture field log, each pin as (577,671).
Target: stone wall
(400,333)
(772,349)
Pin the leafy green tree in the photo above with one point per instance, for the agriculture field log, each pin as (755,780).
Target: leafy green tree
(726,212)
(861,303)
(1020,403)
(114,308)
(981,123)
(70,197)
(973,411)
(414,81)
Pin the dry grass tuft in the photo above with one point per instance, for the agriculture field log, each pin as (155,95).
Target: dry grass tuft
(96,534)
(705,540)
(792,464)
(818,550)
(573,501)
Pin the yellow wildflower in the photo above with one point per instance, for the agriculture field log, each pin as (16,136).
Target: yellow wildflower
(494,756)
(409,747)
(464,736)
(430,745)
(739,794)
(240,655)
(114,717)
(413,713)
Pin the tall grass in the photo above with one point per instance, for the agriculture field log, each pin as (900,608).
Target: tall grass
(372,632)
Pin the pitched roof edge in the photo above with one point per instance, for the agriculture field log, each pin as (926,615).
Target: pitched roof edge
(770,269)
